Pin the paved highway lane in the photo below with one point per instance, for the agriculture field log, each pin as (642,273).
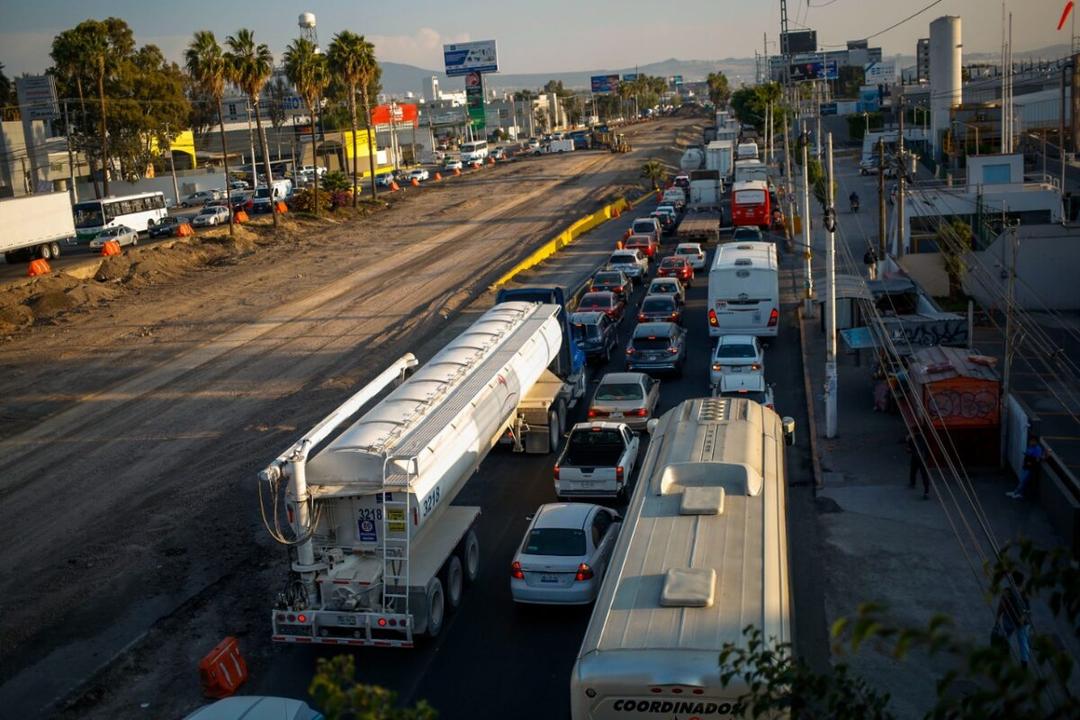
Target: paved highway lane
(495,659)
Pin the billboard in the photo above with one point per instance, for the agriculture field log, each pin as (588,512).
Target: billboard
(604,83)
(630,77)
(799,41)
(37,96)
(880,72)
(404,116)
(464,58)
(474,101)
(815,71)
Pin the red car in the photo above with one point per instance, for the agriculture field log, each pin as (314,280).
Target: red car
(676,266)
(606,302)
(647,244)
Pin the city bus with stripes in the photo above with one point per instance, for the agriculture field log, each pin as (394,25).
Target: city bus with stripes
(138,212)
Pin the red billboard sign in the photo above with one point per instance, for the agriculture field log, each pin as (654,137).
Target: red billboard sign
(402,114)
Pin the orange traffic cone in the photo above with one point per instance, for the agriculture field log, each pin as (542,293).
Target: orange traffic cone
(491,161)
(184,230)
(457,172)
(394,186)
(223,670)
(241,216)
(110,248)
(438,177)
(39,267)
(414,182)
(281,208)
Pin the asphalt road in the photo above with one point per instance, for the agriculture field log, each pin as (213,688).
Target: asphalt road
(495,659)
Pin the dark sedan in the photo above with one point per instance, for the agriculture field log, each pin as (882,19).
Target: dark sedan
(606,302)
(660,308)
(657,346)
(596,334)
(614,281)
(166,228)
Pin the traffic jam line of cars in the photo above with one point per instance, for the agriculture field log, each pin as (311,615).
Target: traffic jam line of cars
(567,545)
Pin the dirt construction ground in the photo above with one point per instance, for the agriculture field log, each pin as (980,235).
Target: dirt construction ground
(136,409)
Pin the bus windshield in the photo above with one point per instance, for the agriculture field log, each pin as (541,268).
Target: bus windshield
(88,215)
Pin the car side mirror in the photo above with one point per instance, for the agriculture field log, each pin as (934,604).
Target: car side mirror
(788,424)
(651,425)
(529,518)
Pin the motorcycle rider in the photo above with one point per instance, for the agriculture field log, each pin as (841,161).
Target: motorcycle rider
(854,200)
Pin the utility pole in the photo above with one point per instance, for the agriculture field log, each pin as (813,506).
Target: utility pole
(71,156)
(882,239)
(788,186)
(900,171)
(830,319)
(807,253)
(172,171)
(251,144)
(1010,349)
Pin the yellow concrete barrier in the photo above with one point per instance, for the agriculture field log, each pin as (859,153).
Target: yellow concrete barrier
(576,229)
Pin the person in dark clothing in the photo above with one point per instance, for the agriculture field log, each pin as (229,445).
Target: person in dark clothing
(920,455)
(1014,616)
(870,260)
(1033,456)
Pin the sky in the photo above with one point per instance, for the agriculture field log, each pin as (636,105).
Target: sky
(549,36)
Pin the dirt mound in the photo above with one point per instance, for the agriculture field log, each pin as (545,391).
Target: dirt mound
(14,317)
(50,304)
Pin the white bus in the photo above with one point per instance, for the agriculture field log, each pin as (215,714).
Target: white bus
(750,170)
(137,212)
(474,152)
(744,290)
(746,151)
(702,553)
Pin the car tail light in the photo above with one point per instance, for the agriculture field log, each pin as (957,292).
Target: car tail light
(755,366)
(515,571)
(556,471)
(673,350)
(712,319)
(674,316)
(593,413)
(770,406)
(619,474)
(717,367)
(642,317)
(629,351)
(618,289)
(584,572)
(774,316)
(639,412)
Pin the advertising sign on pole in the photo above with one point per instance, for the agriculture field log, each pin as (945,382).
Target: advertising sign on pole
(474,101)
(464,58)
(604,83)
(629,77)
(880,72)
(815,71)
(404,116)
(37,97)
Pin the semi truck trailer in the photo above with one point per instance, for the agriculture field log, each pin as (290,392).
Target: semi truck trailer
(379,554)
(35,225)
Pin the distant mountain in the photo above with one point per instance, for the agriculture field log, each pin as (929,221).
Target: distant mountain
(398,78)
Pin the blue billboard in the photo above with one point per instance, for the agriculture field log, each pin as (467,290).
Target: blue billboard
(604,83)
(630,77)
(815,71)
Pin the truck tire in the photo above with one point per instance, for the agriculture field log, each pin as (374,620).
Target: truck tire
(436,607)
(45,252)
(453,579)
(55,247)
(470,556)
(554,435)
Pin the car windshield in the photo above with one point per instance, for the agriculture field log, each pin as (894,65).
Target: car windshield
(586,332)
(596,300)
(736,351)
(670,262)
(621,259)
(746,234)
(605,278)
(209,211)
(644,227)
(619,391)
(652,343)
(262,193)
(663,288)
(685,251)
(657,304)
(560,542)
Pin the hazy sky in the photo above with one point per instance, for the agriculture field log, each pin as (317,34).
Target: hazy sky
(548,36)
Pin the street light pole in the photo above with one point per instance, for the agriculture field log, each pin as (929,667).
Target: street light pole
(830,318)
(807,253)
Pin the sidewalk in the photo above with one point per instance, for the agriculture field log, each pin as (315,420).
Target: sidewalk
(883,542)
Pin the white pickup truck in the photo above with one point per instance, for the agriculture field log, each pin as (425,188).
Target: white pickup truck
(597,461)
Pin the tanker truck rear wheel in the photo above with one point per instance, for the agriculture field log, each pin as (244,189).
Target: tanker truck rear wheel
(470,556)
(453,580)
(436,607)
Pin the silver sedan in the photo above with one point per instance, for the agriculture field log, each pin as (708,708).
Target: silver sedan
(626,397)
(122,234)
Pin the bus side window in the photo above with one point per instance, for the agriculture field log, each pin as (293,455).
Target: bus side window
(110,211)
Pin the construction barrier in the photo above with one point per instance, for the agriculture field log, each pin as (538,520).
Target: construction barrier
(394,187)
(184,230)
(567,236)
(280,207)
(457,172)
(438,177)
(241,216)
(414,182)
(39,267)
(111,247)
(491,161)
(223,670)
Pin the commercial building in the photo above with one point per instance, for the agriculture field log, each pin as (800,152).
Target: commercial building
(922,60)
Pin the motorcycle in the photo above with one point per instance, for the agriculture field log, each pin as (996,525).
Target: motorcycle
(855,206)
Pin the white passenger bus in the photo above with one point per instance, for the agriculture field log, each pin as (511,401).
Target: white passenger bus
(702,554)
(744,290)
(474,152)
(137,212)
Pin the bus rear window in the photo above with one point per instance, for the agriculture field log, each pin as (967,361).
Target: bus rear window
(750,197)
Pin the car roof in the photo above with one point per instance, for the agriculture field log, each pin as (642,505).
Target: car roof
(591,317)
(734,382)
(736,340)
(696,246)
(607,272)
(562,515)
(255,707)
(623,377)
(654,329)
(640,238)
(605,293)
(666,297)
(632,253)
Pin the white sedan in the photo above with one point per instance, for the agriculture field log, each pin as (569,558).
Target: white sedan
(632,262)
(736,354)
(453,164)
(213,215)
(693,253)
(565,552)
(419,174)
(122,234)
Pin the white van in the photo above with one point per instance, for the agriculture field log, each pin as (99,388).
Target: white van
(744,290)
(675,196)
(746,151)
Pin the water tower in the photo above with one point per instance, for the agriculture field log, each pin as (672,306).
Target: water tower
(307,28)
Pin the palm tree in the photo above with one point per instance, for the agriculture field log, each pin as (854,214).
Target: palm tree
(249,66)
(206,66)
(655,172)
(69,56)
(105,43)
(352,60)
(305,66)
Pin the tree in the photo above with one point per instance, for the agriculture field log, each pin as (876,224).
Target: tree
(9,102)
(248,66)
(205,64)
(542,119)
(749,103)
(279,93)
(105,43)
(954,240)
(719,90)
(574,108)
(306,69)
(655,172)
(340,697)
(985,683)
(352,61)
(68,54)
(556,87)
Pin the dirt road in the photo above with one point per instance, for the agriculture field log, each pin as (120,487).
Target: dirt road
(131,434)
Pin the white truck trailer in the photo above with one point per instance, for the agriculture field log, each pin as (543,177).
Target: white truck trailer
(719,156)
(35,225)
(378,552)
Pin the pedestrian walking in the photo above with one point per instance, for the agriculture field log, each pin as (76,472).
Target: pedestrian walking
(1013,616)
(870,260)
(1033,457)
(920,456)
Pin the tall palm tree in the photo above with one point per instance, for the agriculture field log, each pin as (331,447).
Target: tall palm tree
(352,59)
(206,65)
(248,66)
(305,66)
(69,56)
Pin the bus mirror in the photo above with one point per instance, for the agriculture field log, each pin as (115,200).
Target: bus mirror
(651,425)
(789,430)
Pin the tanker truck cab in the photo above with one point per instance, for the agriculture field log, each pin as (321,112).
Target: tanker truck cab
(379,554)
